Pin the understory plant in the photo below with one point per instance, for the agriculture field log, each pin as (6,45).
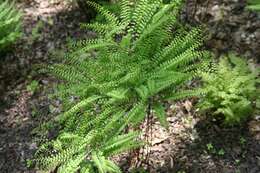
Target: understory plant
(89,11)
(138,61)
(111,6)
(231,92)
(254,5)
(10,24)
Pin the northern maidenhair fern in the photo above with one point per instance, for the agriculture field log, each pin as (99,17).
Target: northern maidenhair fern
(254,5)
(138,61)
(10,24)
(231,92)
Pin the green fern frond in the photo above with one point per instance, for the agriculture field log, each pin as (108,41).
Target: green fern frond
(56,159)
(186,94)
(111,18)
(121,143)
(104,165)
(134,65)
(137,114)
(10,24)
(126,11)
(68,73)
(254,5)
(160,114)
(76,108)
(230,90)
(72,165)
(97,27)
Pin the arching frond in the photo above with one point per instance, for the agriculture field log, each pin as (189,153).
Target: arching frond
(10,24)
(135,63)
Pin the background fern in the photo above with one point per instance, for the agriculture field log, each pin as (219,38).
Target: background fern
(254,5)
(134,65)
(232,91)
(10,24)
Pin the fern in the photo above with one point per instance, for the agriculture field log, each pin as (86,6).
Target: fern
(134,66)
(254,5)
(111,6)
(10,24)
(97,143)
(231,91)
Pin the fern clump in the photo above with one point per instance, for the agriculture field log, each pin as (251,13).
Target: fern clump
(231,92)
(138,61)
(254,5)
(10,24)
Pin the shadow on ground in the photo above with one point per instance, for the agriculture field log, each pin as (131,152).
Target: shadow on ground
(17,70)
(216,150)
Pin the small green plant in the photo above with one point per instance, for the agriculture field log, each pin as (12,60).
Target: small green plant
(29,163)
(237,161)
(34,113)
(210,147)
(33,86)
(35,31)
(114,81)
(221,152)
(254,5)
(231,92)
(242,141)
(10,24)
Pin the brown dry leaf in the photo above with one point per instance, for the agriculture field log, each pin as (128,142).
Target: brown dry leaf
(188,105)
(254,126)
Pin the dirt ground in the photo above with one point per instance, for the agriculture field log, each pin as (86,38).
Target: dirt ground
(191,145)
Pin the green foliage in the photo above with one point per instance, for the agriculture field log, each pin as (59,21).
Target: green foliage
(242,141)
(254,5)
(139,170)
(221,152)
(232,90)
(112,7)
(29,163)
(10,24)
(35,31)
(211,149)
(135,64)
(33,86)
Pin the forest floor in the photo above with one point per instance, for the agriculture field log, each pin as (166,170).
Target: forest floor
(191,145)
